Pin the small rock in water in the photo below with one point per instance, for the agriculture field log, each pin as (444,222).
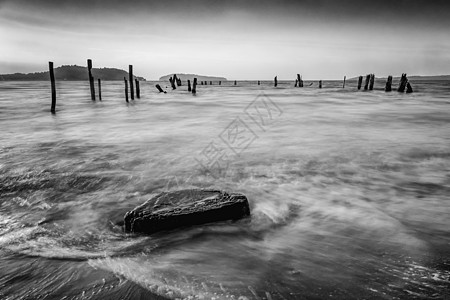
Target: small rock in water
(170,210)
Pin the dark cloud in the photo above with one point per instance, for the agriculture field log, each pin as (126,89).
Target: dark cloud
(420,14)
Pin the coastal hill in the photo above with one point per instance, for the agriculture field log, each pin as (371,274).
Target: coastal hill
(71,73)
(185,77)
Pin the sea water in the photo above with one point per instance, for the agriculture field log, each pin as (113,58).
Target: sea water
(348,190)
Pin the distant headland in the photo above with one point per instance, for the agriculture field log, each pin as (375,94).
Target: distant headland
(70,73)
(185,77)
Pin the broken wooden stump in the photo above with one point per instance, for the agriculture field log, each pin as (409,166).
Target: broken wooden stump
(138,89)
(402,85)
(388,87)
(366,85)
(178,80)
(126,89)
(360,79)
(372,81)
(53,87)
(160,89)
(408,88)
(275,81)
(184,208)
(343,85)
(172,83)
(210,83)
(235,82)
(99,89)
(194,86)
(189,85)
(320,84)
(300,80)
(131,78)
(91,79)
(259,82)
(220,82)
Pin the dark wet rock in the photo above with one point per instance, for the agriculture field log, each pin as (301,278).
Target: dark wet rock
(170,210)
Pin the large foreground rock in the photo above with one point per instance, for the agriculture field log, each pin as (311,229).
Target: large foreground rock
(171,210)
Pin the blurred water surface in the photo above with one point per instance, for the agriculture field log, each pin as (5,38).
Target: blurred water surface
(349,191)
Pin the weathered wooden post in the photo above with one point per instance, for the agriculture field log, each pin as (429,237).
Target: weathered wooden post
(189,86)
(53,86)
(126,89)
(91,79)
(259,82)
(296,82)
(235,82)
(172,82)
(194,86)
(99,89)
(160,89)
(388,87)
(138,89)
(275,81)
(408,88)
(176,80)
(320,84)
(210,83)
(366,85)
(300,80)
(372,81)
(131,79)
(402,85)
(220,82)
(343,85)
(360,79)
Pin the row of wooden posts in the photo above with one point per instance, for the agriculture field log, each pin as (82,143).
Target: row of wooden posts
(370,80)
(175,81)
(92,85)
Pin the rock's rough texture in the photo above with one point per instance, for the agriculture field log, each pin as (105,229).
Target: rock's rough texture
(171,210)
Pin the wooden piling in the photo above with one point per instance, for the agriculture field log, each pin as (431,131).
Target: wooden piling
(402,85)
(210,83)
(275,81)
(343,85)
(126,89)
(194,86)
(259,82)
(296,82)
(131,79)
(320,84)
(388,87)
(160,89)
(366,85)
(99,89)
(172,83)
(91,79)
(299,80)
(235,82)
(189,85)
(372,81)
(53,87)
(176,80)
(360,79)
(408,88)
(220,82)
(138,89)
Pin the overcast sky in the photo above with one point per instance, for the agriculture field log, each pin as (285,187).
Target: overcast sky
(244,39)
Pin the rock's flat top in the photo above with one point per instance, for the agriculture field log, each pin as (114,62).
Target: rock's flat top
(170,210)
